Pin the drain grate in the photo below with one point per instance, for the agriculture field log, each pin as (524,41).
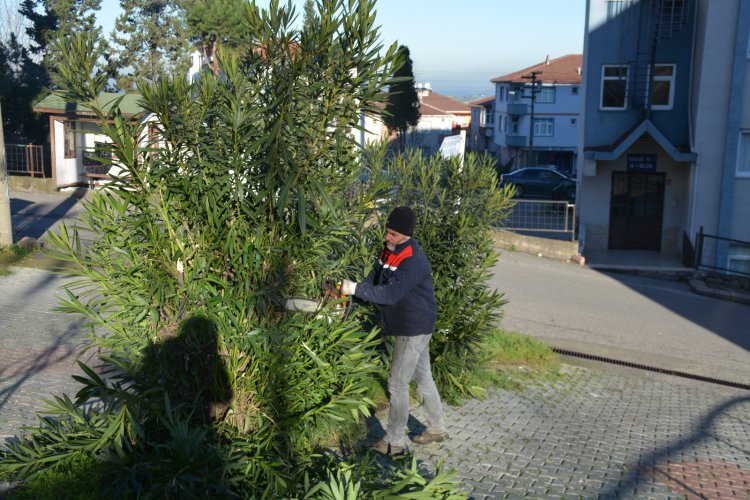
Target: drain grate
(664,371)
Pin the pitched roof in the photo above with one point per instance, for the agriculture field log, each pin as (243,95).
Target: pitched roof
(57,105)
(439,104)
(482,101)
(622,143)
(565,69)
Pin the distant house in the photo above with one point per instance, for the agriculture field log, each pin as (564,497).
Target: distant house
(666,134)
(439,117)
(481,129)
(74,136)
(552,136)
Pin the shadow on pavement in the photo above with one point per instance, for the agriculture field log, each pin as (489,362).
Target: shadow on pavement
(643,471)
(19,371)
(724,318)
(34,218)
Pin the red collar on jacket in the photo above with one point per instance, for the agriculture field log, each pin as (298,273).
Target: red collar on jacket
(391,260)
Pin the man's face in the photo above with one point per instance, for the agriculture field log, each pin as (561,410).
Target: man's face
(393,238)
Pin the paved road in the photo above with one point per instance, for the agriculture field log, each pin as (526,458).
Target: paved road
(633,318)
(33,214)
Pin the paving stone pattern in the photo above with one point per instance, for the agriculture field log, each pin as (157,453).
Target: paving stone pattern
(38,347)
(596,432)
(599,433)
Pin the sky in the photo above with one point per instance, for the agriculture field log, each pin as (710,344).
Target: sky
(458,46)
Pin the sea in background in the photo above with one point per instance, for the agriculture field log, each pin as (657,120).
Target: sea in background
(462,87)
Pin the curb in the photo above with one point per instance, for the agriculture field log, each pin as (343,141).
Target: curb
(699,287)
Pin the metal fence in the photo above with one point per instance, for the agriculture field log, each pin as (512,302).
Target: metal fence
(722,254)
(542,216)
(26,159)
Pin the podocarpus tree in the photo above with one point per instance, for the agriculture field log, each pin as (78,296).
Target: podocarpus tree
(251,196)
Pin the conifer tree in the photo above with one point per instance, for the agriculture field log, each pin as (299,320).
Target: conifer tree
(50,18)
(402,108)
(149,40)
(214,25)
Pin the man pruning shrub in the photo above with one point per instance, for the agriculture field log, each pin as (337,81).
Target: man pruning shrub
(401,285)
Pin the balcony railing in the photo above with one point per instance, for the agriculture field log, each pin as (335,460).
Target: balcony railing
(515,140)
(25,159)
(518,109)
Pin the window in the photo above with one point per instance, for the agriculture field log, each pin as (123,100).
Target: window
(743,158)
(514,125)
(544,127)
(614,87)
(504,123)
(69,134)
(502,93)
(739,258)
(489,116)
(662,93)
(615,8)
(546,94)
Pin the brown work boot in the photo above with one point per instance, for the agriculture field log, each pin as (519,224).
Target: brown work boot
(385,448)
(428,437)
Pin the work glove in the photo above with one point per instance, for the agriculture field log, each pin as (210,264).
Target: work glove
(348,287)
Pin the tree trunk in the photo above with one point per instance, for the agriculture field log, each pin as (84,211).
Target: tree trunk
(6,229)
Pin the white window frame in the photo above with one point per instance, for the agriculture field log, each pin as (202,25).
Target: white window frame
(614,78)
(69,139)
(739,256)
(743,155)
(489,117)
(660,78)
(550,95)
(544,127)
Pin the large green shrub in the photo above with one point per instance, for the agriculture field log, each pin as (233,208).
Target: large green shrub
(251,195)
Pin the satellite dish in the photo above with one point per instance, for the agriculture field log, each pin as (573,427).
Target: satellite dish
(419,86)
(427,86)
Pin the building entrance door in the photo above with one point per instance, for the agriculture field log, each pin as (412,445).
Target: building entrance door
(636,210)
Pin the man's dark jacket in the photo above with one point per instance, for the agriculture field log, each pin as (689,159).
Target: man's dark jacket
(401,285)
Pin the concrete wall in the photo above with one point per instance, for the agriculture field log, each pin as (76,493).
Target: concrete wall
(31,184)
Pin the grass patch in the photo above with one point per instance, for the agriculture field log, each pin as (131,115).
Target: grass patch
(515,360)
(15,256)
(77,478)
(12,256)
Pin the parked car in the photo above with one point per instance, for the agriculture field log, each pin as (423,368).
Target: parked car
(541,182)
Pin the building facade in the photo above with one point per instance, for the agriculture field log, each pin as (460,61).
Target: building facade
(664,113)
(536,113)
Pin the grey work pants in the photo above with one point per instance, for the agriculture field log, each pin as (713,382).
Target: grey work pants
(411,361)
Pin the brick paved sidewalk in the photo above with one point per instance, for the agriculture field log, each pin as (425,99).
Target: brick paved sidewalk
(600,433)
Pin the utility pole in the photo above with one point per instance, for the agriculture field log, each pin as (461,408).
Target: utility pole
(6,230)
(534,91)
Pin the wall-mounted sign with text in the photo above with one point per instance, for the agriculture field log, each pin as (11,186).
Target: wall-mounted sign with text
(641,163)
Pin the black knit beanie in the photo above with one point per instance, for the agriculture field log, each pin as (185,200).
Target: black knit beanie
(402,220)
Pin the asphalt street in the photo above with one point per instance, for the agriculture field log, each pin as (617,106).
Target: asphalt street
(657,322)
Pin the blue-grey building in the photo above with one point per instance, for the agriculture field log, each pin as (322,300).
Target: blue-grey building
(665,115)
(545,131)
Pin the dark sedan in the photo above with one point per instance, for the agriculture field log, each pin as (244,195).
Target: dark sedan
(541,182)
